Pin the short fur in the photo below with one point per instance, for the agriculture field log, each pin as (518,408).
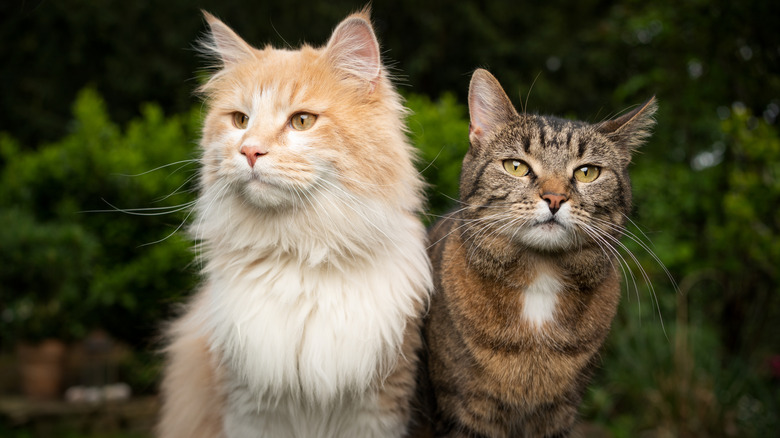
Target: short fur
(524,292)
(307,323)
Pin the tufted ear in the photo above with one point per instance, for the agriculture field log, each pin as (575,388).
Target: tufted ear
(489,106)
(631,129)
(354,49)
(224,43)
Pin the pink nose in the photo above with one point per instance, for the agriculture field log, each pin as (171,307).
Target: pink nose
(252,153)
(554,200)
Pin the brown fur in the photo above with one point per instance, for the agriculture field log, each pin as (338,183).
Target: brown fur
(490,371)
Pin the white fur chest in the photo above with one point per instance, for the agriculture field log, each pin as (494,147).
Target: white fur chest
(540,299)
(309,332)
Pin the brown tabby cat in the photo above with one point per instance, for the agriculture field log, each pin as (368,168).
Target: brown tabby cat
(526,272)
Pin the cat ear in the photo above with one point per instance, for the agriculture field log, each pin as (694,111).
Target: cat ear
(354,49)
(633,128)
(225,43)
(489,106)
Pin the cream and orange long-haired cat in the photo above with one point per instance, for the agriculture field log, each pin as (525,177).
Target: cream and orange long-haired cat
(314,262)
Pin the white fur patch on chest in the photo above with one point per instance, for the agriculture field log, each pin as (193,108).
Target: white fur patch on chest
(540,299)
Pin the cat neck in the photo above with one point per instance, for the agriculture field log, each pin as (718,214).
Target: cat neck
(501,260)
(329,232)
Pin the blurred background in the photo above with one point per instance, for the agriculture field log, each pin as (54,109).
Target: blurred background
(97,113)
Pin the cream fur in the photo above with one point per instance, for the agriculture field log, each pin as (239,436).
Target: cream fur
(313,257)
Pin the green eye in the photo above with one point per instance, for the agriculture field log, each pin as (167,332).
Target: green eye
(516,168)
(240,120)
(302,121)
(587,174)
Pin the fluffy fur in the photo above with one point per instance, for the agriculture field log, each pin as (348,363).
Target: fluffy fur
(307,324)
(525,272)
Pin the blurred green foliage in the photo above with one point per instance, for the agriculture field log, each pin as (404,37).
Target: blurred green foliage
(439,129)
(45,269)
(71,260)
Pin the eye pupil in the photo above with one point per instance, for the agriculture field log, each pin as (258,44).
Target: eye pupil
(302,121)
(516,167)
(587,174)
(240,120)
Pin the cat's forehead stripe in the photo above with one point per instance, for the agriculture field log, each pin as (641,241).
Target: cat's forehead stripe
(526,144)
(581,147)
(542,136)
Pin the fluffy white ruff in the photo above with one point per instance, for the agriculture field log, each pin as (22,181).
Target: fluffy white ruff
(307,308)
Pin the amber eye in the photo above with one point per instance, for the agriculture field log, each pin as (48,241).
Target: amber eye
(516,168)
(302,121)
(587,174)
(240,120)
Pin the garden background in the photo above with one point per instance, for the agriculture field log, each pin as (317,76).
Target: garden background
(97,112)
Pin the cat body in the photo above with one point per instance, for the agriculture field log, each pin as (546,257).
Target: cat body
(314,262)
(526,277)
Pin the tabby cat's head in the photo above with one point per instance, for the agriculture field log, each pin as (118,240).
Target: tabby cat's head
(546,183)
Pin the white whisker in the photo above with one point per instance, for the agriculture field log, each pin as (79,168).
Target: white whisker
(184,162)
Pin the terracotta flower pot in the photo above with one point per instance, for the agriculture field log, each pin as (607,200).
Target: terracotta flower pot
(41,368)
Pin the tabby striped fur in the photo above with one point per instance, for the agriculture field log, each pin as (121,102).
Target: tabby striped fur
(525,293)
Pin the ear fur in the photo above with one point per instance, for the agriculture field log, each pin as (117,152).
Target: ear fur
(225,43)
(633,128)
(489,106)
(354,49)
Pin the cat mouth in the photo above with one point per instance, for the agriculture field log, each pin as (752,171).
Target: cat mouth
(549,223)
(256,177)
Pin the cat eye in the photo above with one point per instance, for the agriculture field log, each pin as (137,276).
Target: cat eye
(516,168)
(240,120)
(302,121)
(587,174)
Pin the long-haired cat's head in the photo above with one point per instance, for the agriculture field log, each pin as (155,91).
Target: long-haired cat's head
(546,183)
(285,126)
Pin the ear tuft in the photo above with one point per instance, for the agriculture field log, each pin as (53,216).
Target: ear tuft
(223,42)
(489,106)
(631,129)
(354,49)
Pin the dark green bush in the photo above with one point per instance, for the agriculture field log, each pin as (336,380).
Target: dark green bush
(67,242)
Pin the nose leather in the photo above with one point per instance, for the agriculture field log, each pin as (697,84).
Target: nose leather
(554,201)
(252,153)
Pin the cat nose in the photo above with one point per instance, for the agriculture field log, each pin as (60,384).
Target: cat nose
(554,200)
(252,153)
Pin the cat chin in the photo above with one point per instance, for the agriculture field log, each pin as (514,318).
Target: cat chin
(546,237)
(547,232)
(267,196)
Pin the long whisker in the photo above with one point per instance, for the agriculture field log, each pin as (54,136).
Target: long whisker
(357,201)
(467,222)
(645,276)
(597,235)
(177,190)
(490,228)
(148,211)
(184,221)
(643,245)
(184,162)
